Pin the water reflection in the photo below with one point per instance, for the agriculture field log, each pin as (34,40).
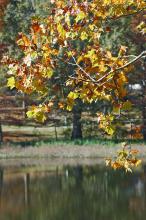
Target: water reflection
(78,193)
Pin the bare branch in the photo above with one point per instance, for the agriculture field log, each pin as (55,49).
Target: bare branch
(132,61)
(90,79)
(124,66)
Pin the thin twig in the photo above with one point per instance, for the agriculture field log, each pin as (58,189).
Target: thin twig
(87,74)
(136,58)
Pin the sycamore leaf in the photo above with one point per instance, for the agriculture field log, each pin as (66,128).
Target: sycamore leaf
(138,163)
(36,27)
(69,107)
(80,16)
(61,105)
(84,36)
(23,40)
(48,73)
(61,30)
(70,104)
(40,116)
(67,19)
(127,105)
(141,25)
(11,82)
(110,130)
(30,114)
(73,95)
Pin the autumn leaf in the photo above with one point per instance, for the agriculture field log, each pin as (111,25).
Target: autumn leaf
(61,30)
(40,116)
(80,16)
(61,105)
(73,95)
(11,82)
(127,105)
(84,36)
(47,73)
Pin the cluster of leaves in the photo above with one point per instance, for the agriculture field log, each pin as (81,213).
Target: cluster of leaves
(40,112)
(142,27)
(106,123)
(126,158)
(97,74)
(17,17)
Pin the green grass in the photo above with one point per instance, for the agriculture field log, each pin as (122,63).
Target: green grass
(86,142)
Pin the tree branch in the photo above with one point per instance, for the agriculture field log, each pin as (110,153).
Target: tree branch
(90,79)
(133,61)
(124,66)
(126,15)
(87,74)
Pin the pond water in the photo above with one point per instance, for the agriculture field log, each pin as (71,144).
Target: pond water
(79,192)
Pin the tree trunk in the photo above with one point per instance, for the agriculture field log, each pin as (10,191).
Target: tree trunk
(144,101)
(77,125)
(1,134)
(1,182)
(144,124)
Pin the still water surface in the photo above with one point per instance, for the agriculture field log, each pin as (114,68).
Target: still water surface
(75,193)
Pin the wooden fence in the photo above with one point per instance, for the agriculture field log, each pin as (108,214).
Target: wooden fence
(13,112)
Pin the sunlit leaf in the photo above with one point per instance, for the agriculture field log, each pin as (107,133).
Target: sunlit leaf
(11,82)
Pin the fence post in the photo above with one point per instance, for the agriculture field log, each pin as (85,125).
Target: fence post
(56,136)
(24,106)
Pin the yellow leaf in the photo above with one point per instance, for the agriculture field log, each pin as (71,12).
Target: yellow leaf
(92,26)
(73,95)
(138,163)
(80,16)
(67,19)
(84,36)
(69,107)
(30,114)
(110,130)
(61,30)
(40,116)
(122,79)
(11,82)
(48,73)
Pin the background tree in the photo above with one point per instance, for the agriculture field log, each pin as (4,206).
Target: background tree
(3,4)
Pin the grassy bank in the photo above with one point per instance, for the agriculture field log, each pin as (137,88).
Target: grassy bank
(80,142)
(86,148)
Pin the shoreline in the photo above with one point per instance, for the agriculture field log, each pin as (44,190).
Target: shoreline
(53,158)
(65,151)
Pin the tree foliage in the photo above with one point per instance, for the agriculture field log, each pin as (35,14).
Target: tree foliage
(71,35)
